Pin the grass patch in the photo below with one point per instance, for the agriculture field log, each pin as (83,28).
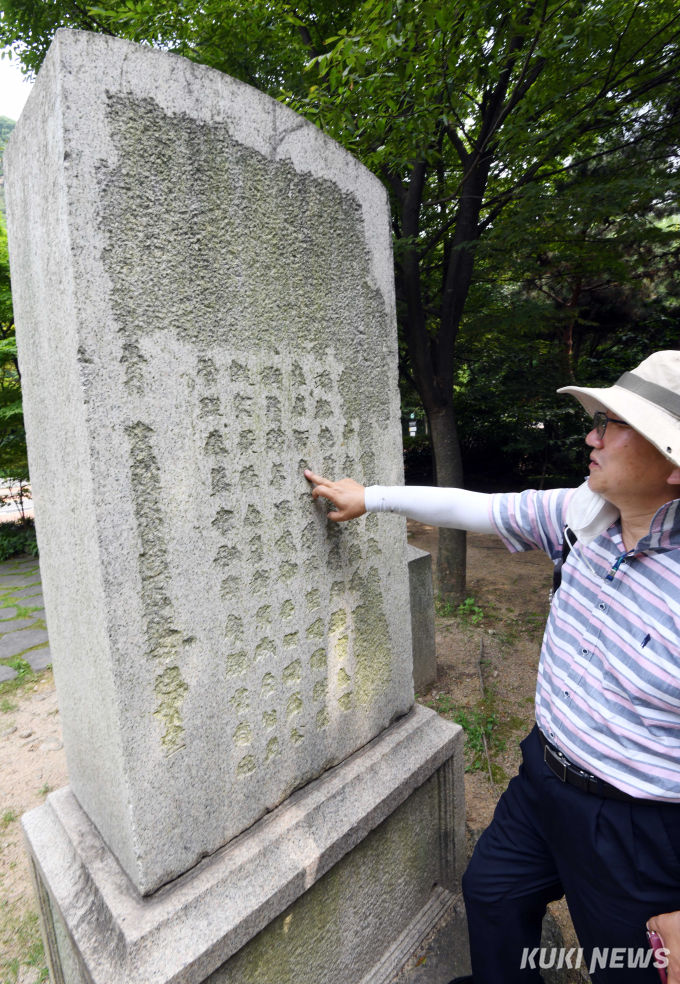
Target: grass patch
(22,943)
(468,612)
(44,790)
(8,817)
(6,706)
(26,676)
(477,723)
(480,723)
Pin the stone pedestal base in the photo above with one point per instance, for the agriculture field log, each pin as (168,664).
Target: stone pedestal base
(337,886)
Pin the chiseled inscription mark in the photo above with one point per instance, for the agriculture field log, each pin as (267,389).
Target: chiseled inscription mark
(214,443)
(132,361)
(170,691)
(220,482)
(207,370)
(162,636)
(372,649)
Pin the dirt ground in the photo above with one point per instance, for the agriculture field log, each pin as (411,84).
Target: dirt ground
(507,618)
(31,766)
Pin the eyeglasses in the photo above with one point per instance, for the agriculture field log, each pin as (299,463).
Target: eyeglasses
(600,421)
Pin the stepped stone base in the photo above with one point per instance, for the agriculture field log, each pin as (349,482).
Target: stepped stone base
(338,885)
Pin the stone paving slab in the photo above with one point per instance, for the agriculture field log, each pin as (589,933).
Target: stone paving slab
(36,589)
(39,659)
(13,643)
(18,581)
(13,625)
(32,601)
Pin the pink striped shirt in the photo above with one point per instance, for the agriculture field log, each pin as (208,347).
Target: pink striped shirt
(608,691)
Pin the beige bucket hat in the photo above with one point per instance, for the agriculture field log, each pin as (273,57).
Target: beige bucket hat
(648,399)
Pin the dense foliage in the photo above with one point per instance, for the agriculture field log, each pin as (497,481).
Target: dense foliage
(13,459)
(530,152)
(17,538)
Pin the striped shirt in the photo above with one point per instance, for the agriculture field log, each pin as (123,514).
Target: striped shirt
(608,691)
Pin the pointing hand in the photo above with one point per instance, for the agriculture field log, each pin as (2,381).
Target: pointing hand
(346,495)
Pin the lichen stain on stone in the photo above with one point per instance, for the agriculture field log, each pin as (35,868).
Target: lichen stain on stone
(287,610)
(170,690)
(163,637)
(344,679)
(246,766)
(345,702)
(240,701)
(318,659)
(243,735)
(292,673)
(269,719)
(372,647)
(237,663)
(294,705)
(247,223)
(316,629)
(313,599)
(338,620)
(268,686)
(266,647)
(272,750)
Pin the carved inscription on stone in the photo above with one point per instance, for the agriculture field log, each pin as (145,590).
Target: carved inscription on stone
(296,657)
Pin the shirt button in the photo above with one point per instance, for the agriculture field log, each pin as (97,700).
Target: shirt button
(552,734)
(584,652)
(566,693)
(602,606)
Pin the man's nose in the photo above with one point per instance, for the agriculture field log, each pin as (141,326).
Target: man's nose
(592,440)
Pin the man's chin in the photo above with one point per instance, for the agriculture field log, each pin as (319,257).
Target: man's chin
(594,482)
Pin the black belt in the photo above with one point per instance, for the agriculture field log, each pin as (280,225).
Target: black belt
(568,772)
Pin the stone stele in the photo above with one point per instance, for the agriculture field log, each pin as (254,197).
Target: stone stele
(204,301)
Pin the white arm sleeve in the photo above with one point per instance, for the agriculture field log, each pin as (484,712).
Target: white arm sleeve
(457,509)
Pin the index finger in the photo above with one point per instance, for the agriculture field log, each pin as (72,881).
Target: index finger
(317,479)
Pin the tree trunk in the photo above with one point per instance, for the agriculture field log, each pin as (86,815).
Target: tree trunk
(451,555)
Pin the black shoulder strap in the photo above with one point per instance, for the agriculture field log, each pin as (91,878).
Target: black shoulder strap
(567,544)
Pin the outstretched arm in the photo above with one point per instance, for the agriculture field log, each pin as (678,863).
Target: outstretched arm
(454,508)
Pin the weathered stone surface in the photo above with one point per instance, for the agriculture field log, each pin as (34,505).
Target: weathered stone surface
(13,643)
(422,618)
(203,292)
(39,659)
(7,673)
(6,613)
(330,880)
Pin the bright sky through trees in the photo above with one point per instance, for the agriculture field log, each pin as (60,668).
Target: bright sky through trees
(14,88)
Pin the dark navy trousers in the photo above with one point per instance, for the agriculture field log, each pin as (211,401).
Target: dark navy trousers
(617,863)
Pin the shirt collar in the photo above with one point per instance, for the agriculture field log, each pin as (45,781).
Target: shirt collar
(664,530)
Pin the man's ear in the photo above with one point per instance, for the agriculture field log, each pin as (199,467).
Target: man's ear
(674,477)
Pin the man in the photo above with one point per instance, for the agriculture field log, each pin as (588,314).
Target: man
(594,813)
